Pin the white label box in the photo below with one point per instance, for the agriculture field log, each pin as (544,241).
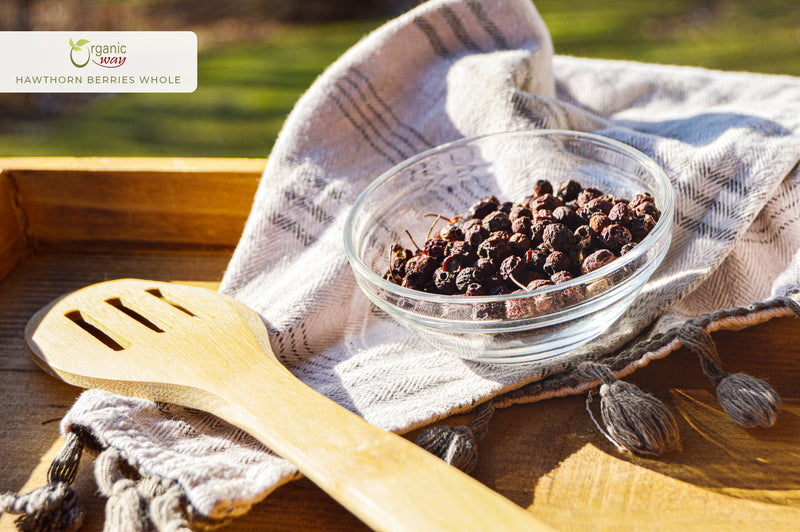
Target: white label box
(98,61)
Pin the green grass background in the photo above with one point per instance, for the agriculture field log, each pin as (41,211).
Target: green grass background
(246,90)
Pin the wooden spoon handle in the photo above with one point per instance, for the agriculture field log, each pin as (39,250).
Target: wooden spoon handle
(382,478)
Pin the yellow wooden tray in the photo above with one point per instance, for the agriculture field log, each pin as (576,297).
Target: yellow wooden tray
(66,223)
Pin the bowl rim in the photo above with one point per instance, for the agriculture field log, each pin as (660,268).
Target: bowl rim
(663,224)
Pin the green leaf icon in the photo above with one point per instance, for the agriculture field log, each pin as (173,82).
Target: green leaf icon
(77,45)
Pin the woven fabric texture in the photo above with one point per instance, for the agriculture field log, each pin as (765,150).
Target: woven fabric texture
(446,70)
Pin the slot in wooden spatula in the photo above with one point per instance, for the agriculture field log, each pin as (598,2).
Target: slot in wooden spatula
(202,349)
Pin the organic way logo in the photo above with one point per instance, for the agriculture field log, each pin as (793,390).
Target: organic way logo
(76,47)
(104,55)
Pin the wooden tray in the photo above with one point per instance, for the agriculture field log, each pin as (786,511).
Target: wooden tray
(65,223)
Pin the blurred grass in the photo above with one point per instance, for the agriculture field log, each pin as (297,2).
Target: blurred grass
(748,35)
(245,91)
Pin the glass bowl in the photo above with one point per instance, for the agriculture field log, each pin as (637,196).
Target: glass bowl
(521,327)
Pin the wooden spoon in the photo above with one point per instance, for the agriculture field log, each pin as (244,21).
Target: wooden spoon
(204,350)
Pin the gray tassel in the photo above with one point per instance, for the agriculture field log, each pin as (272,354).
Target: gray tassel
(126,509)
(141,504)
(458,446)
(167,511)
(634,421)
(748,401)
(64,467)
(55,506)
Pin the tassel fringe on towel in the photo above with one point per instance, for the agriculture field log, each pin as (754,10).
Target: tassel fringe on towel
(634,421)
(148,503)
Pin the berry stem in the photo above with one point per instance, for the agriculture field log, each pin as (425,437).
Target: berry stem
(511,276)
(412,241)
(430,229)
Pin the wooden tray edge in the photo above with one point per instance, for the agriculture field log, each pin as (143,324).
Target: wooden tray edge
(130,204)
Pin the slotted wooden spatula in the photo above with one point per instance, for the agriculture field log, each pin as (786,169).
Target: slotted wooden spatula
(202,349)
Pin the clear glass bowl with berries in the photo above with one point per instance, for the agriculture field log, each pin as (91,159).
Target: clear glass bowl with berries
(512,247)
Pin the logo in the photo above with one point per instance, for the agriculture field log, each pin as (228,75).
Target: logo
(104,55)
(76,47)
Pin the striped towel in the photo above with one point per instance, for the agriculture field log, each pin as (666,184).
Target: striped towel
(446,70)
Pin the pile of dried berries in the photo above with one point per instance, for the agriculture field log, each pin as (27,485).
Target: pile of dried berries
(547,238)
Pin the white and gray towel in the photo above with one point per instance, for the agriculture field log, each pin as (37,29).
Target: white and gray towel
(449,69)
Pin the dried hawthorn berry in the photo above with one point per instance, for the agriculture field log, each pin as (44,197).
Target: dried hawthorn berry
(468,276)
(416,279)
(497,221)
(548,302)
(435,247)
(512,267)
(493,281)
(475,235)
(445,281)
(474,289)
(519,211)
(534,259)
(565,215)
(648,208)
(641,226)
(583,232)
(519,243)
(537,230)
(640,198)
(583,215)
(451,233)
(486,266)
(558,237)
(546,201)
(586,195)
(556,261)
(453,263)
(522,226)
(400,256)
(461,249)
(569,190)
(561,277)
(542,187)
(598,222)
(467,223)
(481,209)
(621,213)
(539,283)
(601,204)
(615,236)
(520,308)
(421,263)
(505,207)
(596,260)
(544,216)
(499,290)
(585,247)
(495,247)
